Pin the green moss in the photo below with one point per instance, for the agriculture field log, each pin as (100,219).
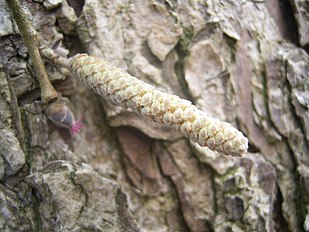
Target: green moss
(182,48)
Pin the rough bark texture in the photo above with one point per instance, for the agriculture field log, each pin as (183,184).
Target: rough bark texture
(244,62)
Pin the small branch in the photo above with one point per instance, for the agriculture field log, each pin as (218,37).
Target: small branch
(31,40)
(49,54)
(17,123)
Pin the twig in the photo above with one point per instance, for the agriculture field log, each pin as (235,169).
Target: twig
(17,123)
(31,40)
(49,54)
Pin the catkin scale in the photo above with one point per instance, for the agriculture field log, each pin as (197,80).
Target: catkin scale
(123,89)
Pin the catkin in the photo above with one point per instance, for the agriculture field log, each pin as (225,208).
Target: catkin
(132,93)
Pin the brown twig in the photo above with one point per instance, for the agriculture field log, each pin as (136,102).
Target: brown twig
(31,40)
(49,54)
(17,123)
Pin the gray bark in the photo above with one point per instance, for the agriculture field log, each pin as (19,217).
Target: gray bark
(245,62)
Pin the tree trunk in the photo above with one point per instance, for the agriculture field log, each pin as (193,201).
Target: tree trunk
(244,62)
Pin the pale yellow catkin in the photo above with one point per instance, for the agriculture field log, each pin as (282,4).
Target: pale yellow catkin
(131,93)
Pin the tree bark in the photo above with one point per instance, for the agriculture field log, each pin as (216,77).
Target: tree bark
(244,62)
